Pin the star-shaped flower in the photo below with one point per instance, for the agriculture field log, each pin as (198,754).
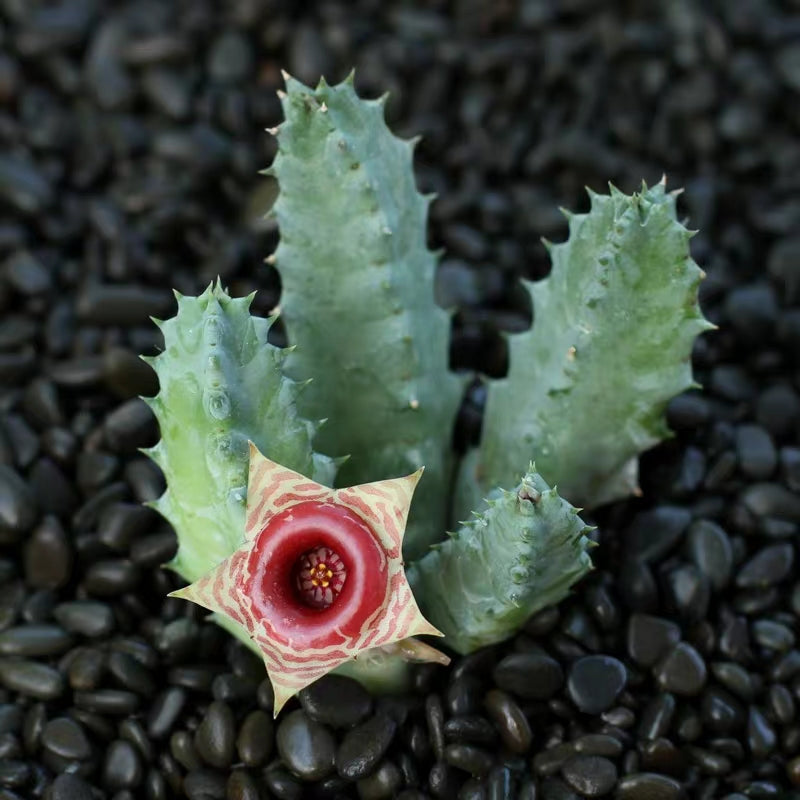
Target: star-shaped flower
(320,576)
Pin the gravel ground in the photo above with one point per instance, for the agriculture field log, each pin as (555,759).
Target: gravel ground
(131,136)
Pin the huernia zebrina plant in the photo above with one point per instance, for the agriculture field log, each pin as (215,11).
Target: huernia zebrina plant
(325,546)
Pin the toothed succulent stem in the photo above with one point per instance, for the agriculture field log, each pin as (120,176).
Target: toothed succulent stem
(610,345)
(358,297)
(221,386)
(522,553)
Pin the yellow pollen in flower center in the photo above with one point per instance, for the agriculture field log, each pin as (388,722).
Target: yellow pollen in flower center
(321,575)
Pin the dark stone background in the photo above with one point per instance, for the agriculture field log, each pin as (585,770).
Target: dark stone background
(132,133)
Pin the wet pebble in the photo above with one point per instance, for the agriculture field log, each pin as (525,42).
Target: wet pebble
(65,738)
(781,703)
(474,729)
(126,375)
(721,711)
(510,721)
(107,701)
(769,566)
(336,700)
(648,786)
(709,549)
(121,305)
(85,617)
(130,427)
(682,671)
(122,767)
(86,668)
(638,586)
(242,786)
(773,635)
(464,694)
(18,508)
(202,784)
(31,678)
(34,640)
(654,533)
(131,673)
(255,740)
(164,712)
(649,638)
(591,776)
(688,592)
(215,737)
(533,676)
(756,452)
(761,736)
(111,577)
(595,682)
(382,784)
(469,758)
(70,787)
(48,555)
(656,717)
(772,500)
(735,678)
(598,744)
(364,746)
(308,748)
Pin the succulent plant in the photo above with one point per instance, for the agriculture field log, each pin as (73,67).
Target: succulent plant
(316,578)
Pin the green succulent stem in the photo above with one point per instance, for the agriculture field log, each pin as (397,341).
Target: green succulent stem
(611,344)
(358,298)
(221,386)
(521,553)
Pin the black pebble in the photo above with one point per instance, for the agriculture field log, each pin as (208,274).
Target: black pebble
(364,746)
(382,783)
(70,787)
(534,676)
(756,452)
(85,617)
(31,678)
(682,671)
(256,739)
(654,533)
(769,566)
(336,700)
(649,786)
(18,508)
(215,737)
(710,550)
(306,747)
(34,640)
(122,768)
(66,738)
(595,682)
(591,776)
(48,555)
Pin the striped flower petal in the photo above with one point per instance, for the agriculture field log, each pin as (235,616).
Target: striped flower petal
(320,576)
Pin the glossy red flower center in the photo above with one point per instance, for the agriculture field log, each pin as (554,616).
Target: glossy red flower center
(320,574)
